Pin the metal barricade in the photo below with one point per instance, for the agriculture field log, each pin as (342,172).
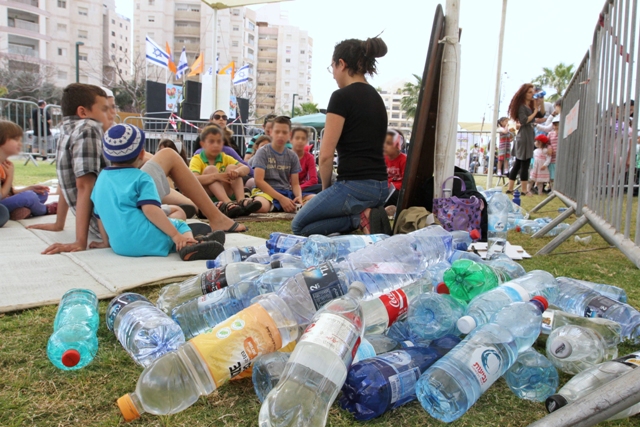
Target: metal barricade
(54,113)
(20,112)
(470,150)
(178,130)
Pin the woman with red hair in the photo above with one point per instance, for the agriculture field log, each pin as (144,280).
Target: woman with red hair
(524,109)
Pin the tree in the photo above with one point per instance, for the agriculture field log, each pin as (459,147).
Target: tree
(25,79)
(411,91)
(306,108)
(129,90)
(557,78)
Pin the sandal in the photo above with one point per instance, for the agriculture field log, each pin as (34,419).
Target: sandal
(234,228)
(249,206)
(508,192)
(230,209)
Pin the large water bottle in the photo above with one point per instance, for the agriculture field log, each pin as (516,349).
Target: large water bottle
(202,313)
(436,272)
(532,377)
(74,343)
(384,344)
(267,370)
(454,383)
(318,366)
(498,217)
(508,267)
(385,382)
(578,299)
(402,333)
(609,291)
(176,380)
(434,242)
(144,331)
(523,319)
(466,279)
(573,349)
(591,379)
(484,306)
(382,312)
(538,283)
(456,255)
(558,229)
(528,226)
(282,259)
(238,254)
(554,319)
(281,242)
(175,294)
(433,316)
(318,249)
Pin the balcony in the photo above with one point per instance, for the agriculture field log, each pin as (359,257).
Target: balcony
(17,49)
(33,3)
(190,47)
(267,43)
(186,31)
(24,25)
(265,66)
(267,54)
(186,15)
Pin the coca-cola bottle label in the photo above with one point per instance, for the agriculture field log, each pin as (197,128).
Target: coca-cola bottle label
(336,334)
(599,306)
(396,304)
(323,284)
(246,252)
(214,279)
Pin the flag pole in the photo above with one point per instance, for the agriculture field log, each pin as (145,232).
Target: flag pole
(214,85)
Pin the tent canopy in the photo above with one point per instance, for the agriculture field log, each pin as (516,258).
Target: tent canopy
(316,120)
(225,4)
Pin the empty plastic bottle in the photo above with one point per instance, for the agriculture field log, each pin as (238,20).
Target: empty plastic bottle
(554,319)
(558,229)
(609,291)
(318,249)
(199,314)
(175,294)
(401,332)
(593,378)
(504,264)
(385,382)
(434,242)
(467,279)
(74,343)
(267,370)
(454,383)
(318,366)
(463,239)
(498,217)
(176,380)
(382,312)
(437,272)
(572,349)
(144,331)
(282,259)
(523,320)
(532,376)
(578,299)
(528,226)
(383,344)
(456,255)
(365,351)
(281,242)
(432,316)
(238,254)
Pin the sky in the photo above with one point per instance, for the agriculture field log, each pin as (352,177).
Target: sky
(537,34)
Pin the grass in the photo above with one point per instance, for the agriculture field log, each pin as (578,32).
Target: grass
(34,393)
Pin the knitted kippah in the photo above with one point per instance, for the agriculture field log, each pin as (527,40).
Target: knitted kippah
(122,142)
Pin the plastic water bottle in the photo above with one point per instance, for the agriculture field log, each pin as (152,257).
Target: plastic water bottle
(318,366)
(538,283)
(498,216)
(238,254)
(463,239)
(365,351)
(282,259)
(267,370)
(578,299)
(454,383)
(528,226)
(281,242)
(382,312)
(318,249)
(144,331)
(437,271)
(176,380)
(558,229)
(467,279)
(74,343)
(572,349)
(456,255)
(609,291)
(199,314)
(516,197)
(593,378)
(434,242)
(554,319)
(532,377)
(523,320)
(175,294)
(433,316)
(508,267)
(383,344)
(385,382)
(401,332)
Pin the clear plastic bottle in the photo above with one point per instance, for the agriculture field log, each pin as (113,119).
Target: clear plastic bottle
(281,242)
(382,312)
(558,229)
(554,319)
(176,380)
(538,283)
(199,314)
(510,268)
(238,254)
(463,239)
(267,370)
(382,343)
(144,331)
(282,259)
(593,378)
(318,366)
(484,306)
(385,382)
(609,291)
(74,342)
(528,226)
(434,242)
(498,216)
(532,377)
(455,382)
(578,299)
(433,316)
(318,249)
(437,272)
(365,351)
(523,320)
(175,294)
(466,279)
(456,255)
(572,349)
(401,332)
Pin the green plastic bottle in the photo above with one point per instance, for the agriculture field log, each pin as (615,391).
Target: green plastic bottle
(466,279)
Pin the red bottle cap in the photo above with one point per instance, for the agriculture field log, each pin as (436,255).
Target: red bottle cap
(442,288)
(541,300)
(475,235)
(70,358)
(518,229)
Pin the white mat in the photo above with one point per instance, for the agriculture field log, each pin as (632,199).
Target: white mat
(29,279)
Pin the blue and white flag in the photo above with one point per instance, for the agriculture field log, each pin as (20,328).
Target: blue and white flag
(155,54)
(242,75)
(182,65)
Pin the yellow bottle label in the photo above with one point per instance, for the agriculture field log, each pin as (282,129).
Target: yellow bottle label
(230,347)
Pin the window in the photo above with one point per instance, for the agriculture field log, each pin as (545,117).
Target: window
(121,25)
(234,43)
(251,26)
(62,75)
(395,116)
(236,28)
(120,47)
(62,4)
(302,52)
(287,60)
(289,36)
(235,12)
(83,11)
(62,51)
(286,83)
(113,21)
(83,57)
(287,72)
(152,2)
(126,38)
(82,34)
(152,18)
(62,27)
(120,59)
(113,45)
(113,33)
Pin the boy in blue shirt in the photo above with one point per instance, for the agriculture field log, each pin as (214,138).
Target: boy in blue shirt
(127,203)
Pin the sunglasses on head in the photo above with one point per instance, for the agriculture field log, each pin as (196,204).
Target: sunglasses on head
(218,117)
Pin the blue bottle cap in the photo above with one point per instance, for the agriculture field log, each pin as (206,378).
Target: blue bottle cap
(116,305)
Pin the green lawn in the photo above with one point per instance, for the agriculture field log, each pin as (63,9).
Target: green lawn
(33,392)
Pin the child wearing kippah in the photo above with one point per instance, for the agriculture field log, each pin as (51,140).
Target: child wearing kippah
(127,203)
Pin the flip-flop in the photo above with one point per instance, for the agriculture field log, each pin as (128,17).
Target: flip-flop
(199,228)
(234,228)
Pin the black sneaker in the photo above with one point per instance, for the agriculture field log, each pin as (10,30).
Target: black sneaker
(214,236)
(201,251)
(189,210)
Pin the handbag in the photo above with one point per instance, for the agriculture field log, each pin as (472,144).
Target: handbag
(456,213)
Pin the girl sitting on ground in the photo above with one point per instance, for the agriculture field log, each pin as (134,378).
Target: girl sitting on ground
(167,143)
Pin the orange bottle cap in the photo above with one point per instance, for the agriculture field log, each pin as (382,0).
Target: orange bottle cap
(128,408)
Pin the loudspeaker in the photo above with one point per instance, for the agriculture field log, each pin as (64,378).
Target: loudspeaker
(192,92)
(156,97)
(243,109)
(190,111)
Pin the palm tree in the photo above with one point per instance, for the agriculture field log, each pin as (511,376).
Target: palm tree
(306,108)
(558,79)
(409,102)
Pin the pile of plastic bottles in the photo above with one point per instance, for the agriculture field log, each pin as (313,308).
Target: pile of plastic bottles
(381,320)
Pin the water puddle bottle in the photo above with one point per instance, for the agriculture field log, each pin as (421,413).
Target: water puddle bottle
(533,377)
(573,349)
(318,249)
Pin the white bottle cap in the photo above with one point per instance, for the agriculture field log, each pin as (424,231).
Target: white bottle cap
(466,324)
(560,348)
(360,287)
(524,295)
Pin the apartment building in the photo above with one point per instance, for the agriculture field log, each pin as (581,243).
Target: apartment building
(117,44)
(392,96)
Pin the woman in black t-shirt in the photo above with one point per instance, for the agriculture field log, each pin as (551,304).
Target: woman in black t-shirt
(356,127)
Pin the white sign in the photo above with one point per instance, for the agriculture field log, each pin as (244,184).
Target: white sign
(571,121)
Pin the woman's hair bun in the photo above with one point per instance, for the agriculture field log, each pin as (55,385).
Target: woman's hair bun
(374,47)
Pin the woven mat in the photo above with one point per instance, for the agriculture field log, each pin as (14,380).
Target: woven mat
(266,217)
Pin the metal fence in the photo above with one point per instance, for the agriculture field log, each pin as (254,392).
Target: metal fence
(472,151)
(598,158)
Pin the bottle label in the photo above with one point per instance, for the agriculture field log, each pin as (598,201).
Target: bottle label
(116,305)
(336,334)
(403,384)
(496,226)
(323,284)
(598,306)
(206,301)
(214,279)
(547,322)
(396,304)
(246,252)
(486,365)
(230,347)
(632,359)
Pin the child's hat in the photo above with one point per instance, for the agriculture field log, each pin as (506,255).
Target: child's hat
(122,143)
(556,119)
(542,138)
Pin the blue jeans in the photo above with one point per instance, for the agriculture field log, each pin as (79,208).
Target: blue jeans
(27,199)
(4,215)
(337,209)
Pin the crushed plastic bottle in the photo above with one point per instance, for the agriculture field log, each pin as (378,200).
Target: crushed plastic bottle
(558,229)
(528,226)
(609,291)
(382,312)
(401,332)
(523,320)
(433,316)
(238,254)
(383,344)
(573,349)
(318,249)
(74,342)
(456,255)
(267,370)
(504,264)
(437,271)
(532,377)
(144,331)
(281,242)
(554,319)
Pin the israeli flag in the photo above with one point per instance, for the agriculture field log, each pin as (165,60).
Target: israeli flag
(155,54)
(242,75)
(182,65)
